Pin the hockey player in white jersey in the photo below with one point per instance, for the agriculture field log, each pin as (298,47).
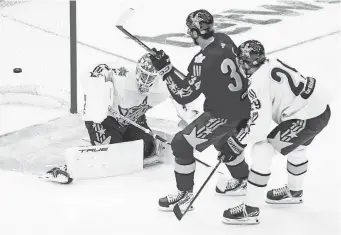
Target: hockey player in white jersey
(113,92)
(299,107)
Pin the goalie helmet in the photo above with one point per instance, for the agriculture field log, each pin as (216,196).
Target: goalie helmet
(251,55)
(200,21)
(146,74)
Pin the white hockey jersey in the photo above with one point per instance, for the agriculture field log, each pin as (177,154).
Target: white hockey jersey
(278,93)
(104,97)
(128,101)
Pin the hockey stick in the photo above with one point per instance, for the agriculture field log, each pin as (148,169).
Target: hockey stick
(119,24)
(149,132)
(124,18)
(177,210)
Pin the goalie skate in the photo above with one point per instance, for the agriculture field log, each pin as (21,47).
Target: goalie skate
(59,175)
(152,161)
(182,198)
(284,195)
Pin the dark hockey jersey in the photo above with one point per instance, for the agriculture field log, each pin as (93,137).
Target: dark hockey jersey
(213,72)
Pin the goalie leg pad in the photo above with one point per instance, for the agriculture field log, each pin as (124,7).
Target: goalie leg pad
(105,160)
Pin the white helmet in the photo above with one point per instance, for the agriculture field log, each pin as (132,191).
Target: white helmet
(146,74)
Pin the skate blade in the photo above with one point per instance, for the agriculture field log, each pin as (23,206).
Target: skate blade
(245,221)
(285,201)
(232,193)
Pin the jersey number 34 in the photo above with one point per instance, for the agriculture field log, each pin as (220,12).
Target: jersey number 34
(229,67)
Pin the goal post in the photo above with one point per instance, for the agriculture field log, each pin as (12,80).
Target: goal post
(73,56)
(56,43)
(40,37)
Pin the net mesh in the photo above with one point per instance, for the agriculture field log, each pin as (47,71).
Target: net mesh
(34,37)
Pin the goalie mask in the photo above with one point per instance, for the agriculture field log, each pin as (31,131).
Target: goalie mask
(251,55)
(146,74)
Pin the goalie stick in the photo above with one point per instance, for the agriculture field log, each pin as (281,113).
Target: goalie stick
(149,132)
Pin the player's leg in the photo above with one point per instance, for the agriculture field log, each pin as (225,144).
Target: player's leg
(293,144)
(200,134)
(134,133)
(247,213)
(289,138)
(238,168)
(107,132)
(155,151)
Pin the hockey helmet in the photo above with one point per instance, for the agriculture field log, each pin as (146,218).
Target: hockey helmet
(200,21)
(251,55)
(146,74)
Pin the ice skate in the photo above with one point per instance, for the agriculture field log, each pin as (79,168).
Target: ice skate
(241,214)
(59,175)
(231,187)
(182,198)
(284,196)
(152,161)
(160,155)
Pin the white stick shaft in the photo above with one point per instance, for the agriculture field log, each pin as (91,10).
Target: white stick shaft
(125,17)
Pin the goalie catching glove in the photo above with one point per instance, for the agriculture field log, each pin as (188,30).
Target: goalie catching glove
(231,149)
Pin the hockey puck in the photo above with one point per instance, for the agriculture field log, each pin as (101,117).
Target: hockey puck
(17,70)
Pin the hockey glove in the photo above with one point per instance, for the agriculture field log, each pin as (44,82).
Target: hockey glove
(161,62)
(231,149)
(242,124)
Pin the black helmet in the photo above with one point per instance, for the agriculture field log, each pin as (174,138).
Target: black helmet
(200,21)
(252,52)
(251,55)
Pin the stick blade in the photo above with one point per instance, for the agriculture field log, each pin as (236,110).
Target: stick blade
(125,17)
(177,212)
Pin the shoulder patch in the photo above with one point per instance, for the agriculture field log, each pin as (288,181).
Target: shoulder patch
(122,71)
(199,58)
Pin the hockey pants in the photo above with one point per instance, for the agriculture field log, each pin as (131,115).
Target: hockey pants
(204,131)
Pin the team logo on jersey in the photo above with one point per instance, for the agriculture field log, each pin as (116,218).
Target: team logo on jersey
(282,140)
(122,71)
(101,137)
(199,136)
(134,112)
(199,58)
(100,70)
(182,92)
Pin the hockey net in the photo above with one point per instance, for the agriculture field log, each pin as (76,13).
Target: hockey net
(35,36)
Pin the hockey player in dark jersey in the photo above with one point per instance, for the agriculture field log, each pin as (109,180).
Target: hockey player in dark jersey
(214,73)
